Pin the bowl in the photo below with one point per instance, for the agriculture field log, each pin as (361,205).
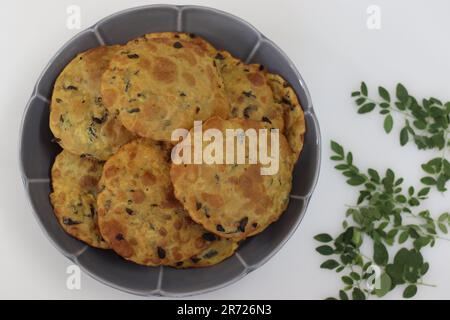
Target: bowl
(38,151)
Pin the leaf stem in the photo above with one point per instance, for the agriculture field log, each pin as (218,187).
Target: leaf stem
(426,284)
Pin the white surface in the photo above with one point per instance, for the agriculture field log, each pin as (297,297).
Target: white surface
(334,51)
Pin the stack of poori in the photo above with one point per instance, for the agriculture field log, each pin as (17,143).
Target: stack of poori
(113,111)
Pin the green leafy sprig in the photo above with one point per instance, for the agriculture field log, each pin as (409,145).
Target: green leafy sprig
(426,123)
(385,214)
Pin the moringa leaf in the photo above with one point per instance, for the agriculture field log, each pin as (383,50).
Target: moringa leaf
(388,123)
(410,291)
(385,285)
(357,294)
(368,107)
(380,254)
(401,92)
(325,250)
(363,88)
(343,295)
(384,94)
(329,264)
(404,138)
(323,237)
(337,148)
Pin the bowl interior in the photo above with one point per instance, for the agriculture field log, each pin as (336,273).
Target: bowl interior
(37,150)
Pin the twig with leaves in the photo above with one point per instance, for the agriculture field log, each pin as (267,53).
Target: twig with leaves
(385,214)
(426,123)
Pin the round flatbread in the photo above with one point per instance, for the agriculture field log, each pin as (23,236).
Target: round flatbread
(78,119)
(217,251)
(233,200)
(244,88)
(248,92)
(74,182)
(138,214)
(294,119)
(158,85)
(190,37)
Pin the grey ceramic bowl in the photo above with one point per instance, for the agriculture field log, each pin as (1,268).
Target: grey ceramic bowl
(37,151)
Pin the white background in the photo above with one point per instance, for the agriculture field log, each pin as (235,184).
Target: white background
(334,51)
